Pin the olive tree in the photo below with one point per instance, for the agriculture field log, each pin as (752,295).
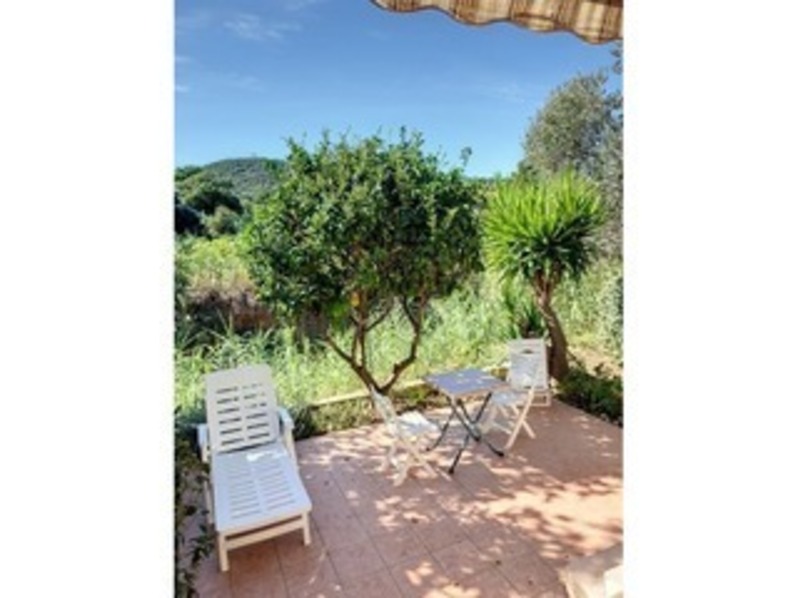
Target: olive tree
(356,229)
(542,231)
(580,127)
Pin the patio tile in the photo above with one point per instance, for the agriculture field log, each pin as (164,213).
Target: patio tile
(497,527)
(529,574)
(398,546)
(298,572)
(420,576)
(340,529)
(210,582)
(379,584)
(485,584)
(461,559)
(291,548)
(255,571)
(355,560)
(439,534)
(318,580)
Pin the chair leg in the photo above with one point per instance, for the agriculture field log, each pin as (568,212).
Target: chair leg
(520,423)
(401,476)
(390,458)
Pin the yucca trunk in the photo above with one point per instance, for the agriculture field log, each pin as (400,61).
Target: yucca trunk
(558,350)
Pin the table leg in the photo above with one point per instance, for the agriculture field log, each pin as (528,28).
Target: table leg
(444,429)
(473,430)
(459,453)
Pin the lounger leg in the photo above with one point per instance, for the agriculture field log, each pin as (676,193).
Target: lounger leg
(306,528)
(221,547)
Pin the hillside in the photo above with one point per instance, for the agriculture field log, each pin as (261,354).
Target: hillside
(250,176)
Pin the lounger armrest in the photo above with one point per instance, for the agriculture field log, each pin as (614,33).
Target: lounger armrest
(203,440)
(286,421)
(287,431)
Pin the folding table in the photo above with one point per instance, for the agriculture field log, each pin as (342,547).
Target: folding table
(458,386)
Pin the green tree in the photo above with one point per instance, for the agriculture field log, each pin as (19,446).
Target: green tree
(542,231)
(356,230)
(581,128)
(569,130)
(205,193)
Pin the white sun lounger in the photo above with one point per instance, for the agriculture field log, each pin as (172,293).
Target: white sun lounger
(256,492)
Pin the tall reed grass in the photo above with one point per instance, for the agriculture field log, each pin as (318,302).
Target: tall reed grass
(468,328)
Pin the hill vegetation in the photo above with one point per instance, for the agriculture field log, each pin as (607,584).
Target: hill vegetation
(251,177)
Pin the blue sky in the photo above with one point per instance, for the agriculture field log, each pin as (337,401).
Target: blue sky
(251,73)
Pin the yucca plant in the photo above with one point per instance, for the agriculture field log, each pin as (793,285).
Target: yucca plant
(542,232)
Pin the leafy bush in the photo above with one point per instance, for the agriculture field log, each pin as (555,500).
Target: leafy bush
(358,231)
(193,539)
(599,393)
(214,266)
(188,221)
(591,308)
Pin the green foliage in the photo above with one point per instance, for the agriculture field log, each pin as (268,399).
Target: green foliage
(466,329)
(355,228)
(188,221)
(581,128)
(214,265)
(184,172)
(591,308)
(569,130)
(191,546)
(223,221)
(525,319)
(211,284)
(251,177)
(205,193)
(543,230)
(599,393)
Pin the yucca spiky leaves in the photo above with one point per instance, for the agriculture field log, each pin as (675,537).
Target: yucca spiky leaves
(543,228)
(541,232)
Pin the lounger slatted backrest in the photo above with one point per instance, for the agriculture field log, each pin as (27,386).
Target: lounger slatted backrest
(241,408)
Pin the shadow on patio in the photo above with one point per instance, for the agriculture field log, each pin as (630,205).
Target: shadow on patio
(497,527)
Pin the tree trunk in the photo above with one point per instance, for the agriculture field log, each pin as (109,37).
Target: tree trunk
(558,357)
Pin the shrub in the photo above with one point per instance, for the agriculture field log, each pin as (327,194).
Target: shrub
(191,545)
(598,393)
(358,231)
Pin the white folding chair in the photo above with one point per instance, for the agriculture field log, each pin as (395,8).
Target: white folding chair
(528,379)
(256,492)
(407,431)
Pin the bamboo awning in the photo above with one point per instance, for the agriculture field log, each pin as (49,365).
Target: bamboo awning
(595,21)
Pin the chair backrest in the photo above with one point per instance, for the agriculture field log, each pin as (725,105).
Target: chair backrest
(528,364)
(386,411)
(241,406)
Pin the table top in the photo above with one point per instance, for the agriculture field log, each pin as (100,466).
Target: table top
(465,383)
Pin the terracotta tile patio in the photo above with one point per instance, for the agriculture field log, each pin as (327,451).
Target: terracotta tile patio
(497,527)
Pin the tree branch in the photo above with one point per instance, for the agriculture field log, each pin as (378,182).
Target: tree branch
(416,323)
(381,317)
